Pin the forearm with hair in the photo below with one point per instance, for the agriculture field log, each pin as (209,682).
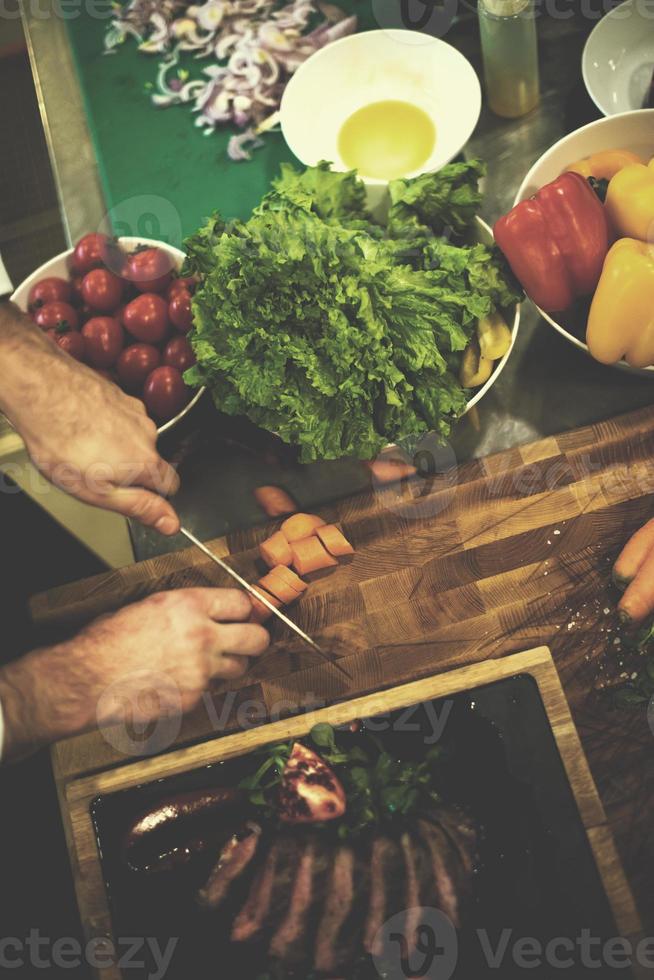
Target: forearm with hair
(32,368)
(43,699)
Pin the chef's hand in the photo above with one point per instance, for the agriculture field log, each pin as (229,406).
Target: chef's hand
(81,431)
(149,660)
(634,573)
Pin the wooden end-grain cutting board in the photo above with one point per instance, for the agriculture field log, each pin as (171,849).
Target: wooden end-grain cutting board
(505,553)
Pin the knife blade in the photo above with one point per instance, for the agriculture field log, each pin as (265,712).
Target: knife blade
(327,657)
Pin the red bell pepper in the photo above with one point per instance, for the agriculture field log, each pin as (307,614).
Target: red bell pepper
(556,242)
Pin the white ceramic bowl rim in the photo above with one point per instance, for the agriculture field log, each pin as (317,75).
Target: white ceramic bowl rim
(500,365)
(605,46)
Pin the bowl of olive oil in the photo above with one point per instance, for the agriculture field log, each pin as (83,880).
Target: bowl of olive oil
(387,103)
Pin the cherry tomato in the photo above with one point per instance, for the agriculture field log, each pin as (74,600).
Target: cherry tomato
(179,311)
(69,340)
(146,318)
(49,290)
(113,257)
(181,284)
(165,393)
(85,312)
(90,253)
(135,363)
(178,353)
(55,313)
(76,290)
(102,290)
(150,269)
(104,340)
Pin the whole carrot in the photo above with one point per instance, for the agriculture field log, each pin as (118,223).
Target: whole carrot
(633,555)
(634,572)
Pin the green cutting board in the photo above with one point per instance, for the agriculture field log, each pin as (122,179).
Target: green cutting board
(160,174)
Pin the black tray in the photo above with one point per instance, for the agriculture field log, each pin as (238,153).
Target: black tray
(537,876)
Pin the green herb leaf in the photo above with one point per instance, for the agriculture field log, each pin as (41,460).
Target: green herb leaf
(323,736)
(336,333)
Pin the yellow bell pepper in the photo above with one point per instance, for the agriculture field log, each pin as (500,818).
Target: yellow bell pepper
(621,318)
(475,368)
(494,336)
(630,202)
(605,164)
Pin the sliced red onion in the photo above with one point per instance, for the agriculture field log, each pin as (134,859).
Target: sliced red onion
(262,46)
(237,146)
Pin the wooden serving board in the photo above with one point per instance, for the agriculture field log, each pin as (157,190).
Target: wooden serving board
(483,561)
(80,793)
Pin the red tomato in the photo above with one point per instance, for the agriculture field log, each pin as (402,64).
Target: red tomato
(102,290)
(76,290)
(104,340)
(85,312)
(146,318)
(135,363)
(150,269)
(165,393)
(55,313)
(90,253)
(178,353)
(179,310)
(69,340)
(181,284)
(49,290)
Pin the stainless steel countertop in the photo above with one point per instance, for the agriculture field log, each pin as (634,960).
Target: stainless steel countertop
(548,386)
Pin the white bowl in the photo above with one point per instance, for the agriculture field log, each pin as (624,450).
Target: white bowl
(629,131)
(60,266)
(618,57)
(486,236)
(371,67)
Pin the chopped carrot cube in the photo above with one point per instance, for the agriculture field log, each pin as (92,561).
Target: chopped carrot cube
(310,556)
(300,526)
(334,540)
(291,579)
(261,613)
(276,550)
(276,583)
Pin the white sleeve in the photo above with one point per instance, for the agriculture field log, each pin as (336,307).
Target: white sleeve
(2,731)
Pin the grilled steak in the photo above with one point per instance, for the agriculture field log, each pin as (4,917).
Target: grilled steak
(461,831)
(412,892)
(235,856)
(250,919)
(318,903)
(289,860)
(337,908)
(440,866)
(289,943)
(387,878)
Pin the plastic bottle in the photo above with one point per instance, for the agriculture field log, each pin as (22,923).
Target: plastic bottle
(510,53)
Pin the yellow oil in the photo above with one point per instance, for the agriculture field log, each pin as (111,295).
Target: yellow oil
(388,139)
